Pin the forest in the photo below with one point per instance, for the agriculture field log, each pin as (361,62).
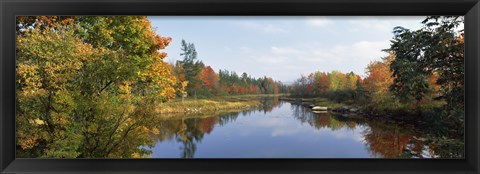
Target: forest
(92,86)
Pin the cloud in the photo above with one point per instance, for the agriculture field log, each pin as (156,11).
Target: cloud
(315,52)
(267,28)
(367,48)
(319,21)
(315,56)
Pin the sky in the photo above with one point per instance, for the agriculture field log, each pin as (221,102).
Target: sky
(283,47)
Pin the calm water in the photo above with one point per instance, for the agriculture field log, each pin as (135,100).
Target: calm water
(283,130)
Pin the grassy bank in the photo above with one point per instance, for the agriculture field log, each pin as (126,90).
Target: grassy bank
(218,103)
(187,115)
(317,101)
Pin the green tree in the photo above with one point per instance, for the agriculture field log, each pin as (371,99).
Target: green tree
(437,48)
(191,67)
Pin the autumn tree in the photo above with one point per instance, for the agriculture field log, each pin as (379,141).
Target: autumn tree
(323,81)
(210,79)
(378,81)
(45,101)
(88,86)
(379,78)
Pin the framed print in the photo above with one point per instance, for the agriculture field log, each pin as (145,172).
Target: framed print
(239,86)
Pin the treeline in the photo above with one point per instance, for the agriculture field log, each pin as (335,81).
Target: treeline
(335,85)
(195,79)
(423,74)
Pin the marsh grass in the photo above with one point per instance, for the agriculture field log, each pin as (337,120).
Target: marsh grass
(190,105)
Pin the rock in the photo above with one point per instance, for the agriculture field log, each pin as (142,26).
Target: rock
(354,110)
(320,108)
(319,112)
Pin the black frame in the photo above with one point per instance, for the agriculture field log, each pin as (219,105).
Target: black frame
(11,8)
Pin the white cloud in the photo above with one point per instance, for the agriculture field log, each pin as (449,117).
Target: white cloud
(315,52)
(367,49)
(319,21)
(314,56)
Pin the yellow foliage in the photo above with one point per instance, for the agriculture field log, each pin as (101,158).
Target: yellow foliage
(72,87)
(38,121)
(136,155)
(155,131)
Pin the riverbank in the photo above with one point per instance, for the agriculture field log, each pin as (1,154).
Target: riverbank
(349,109)
(218,103)
(188,133)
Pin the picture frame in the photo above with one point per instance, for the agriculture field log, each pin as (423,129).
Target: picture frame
(11,8)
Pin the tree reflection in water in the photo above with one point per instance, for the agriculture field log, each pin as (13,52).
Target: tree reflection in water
(381,138)
(190,131)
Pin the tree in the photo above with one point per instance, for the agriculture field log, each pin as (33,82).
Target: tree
(191,66)
(323,81)
(334,80)
(210,79)
(88,86)
(45,101)
(437,48)
(351,80)
(379,78)
(378,82)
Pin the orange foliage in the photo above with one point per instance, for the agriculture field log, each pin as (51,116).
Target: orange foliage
(209,78)
(323,81)
(379,77)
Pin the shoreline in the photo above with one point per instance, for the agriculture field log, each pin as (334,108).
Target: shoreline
(352,110)
(213,104)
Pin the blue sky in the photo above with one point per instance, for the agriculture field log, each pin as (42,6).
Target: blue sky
(283,47)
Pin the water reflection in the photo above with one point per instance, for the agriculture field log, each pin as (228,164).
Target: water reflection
(282,130)
(190,131)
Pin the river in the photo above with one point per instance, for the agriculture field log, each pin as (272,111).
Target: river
(284,130)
